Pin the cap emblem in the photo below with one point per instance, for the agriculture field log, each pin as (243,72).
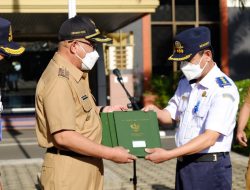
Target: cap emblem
(178,47)
(10,38)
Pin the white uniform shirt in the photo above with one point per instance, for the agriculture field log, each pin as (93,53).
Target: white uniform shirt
(205,105)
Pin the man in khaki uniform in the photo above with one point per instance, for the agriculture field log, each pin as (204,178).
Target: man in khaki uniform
(241,135)
(67,119)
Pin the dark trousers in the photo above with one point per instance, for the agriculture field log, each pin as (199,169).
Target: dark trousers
(204,175)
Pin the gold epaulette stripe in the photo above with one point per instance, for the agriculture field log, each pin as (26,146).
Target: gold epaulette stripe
(92,35)
(13,51)
(179,59)
(103,40)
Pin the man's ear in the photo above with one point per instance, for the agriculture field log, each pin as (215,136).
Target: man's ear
(73,47)
(1,56)
(208,53)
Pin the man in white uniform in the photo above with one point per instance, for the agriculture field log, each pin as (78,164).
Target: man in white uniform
(204,107)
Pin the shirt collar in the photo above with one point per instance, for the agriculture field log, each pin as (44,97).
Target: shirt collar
(209,79)
(74,71)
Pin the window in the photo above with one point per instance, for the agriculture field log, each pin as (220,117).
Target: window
(174,16)
(19,77)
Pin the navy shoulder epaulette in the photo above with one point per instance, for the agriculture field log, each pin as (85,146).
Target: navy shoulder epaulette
(222,81)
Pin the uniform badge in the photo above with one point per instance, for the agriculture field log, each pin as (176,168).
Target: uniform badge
(204,94)
(184,98)
(84,97)
(222,81)
(196,107)
(63,72)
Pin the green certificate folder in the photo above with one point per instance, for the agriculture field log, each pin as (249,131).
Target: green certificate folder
(112,128)
(134,130)
(106,138)
(109,137)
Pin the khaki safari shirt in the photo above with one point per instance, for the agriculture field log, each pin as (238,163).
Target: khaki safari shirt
(64,102)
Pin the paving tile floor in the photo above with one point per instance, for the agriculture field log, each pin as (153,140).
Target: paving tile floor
(22,174)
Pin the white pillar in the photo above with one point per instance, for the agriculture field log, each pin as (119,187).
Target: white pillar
(72,8)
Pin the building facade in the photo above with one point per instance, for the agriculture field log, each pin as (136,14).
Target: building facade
(152,23)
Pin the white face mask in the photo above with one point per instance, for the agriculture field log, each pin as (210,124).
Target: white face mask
(89,60)
(190,70)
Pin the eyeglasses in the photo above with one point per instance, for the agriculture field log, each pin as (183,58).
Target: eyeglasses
(93,45)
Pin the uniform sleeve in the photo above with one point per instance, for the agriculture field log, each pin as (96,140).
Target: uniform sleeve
(222,113)
(172,107)
(59,107)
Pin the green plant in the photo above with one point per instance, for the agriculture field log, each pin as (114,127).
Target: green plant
(162,86)
(243,86)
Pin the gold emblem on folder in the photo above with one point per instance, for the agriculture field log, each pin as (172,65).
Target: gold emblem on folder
(135,127)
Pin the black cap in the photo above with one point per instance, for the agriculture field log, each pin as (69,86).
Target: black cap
(189,42)
(80,27)
(7,46)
